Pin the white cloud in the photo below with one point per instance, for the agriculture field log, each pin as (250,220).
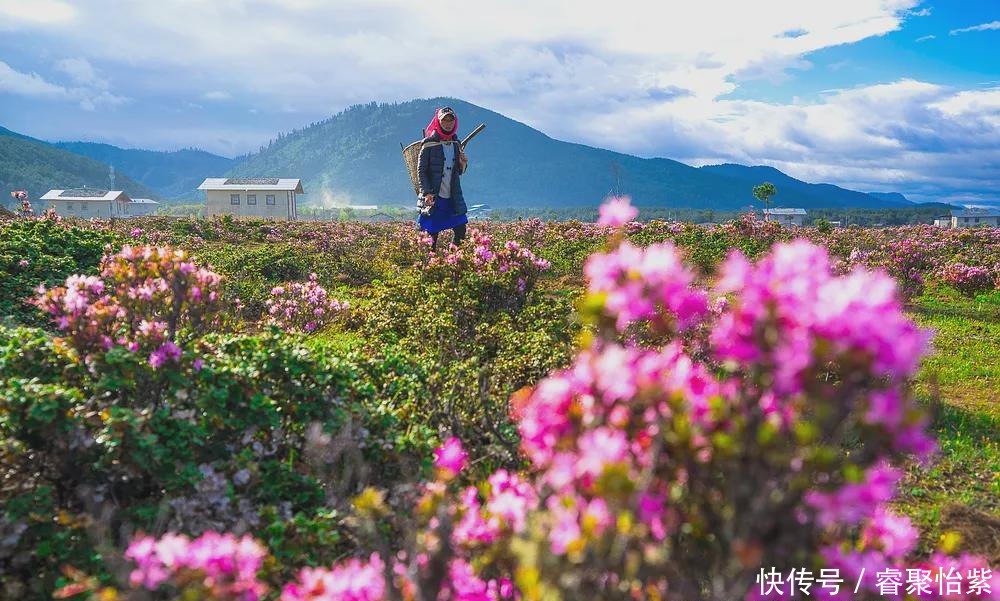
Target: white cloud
(982,27)
(314,53)
(908,134)
(925,38)
(27,84)
(35,12)
(34,85)
(81,72)
(662,68)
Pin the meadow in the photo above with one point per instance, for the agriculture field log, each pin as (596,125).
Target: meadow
(556,410)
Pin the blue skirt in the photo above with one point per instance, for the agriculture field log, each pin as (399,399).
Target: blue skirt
(442,217)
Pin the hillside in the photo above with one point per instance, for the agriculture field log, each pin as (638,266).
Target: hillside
(355,156)
(892,196)
(172,174)
(797,193)
(35,166)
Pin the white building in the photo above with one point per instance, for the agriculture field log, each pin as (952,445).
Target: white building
(85,203)
(787,217)
(975,218)
(264,197)
(142,206)
(943,221)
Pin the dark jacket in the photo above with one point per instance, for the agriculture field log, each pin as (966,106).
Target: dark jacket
(430,166)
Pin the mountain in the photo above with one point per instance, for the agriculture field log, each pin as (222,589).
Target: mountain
(893,197)
(355,157)
(36,166)
(172,174)
(797,193)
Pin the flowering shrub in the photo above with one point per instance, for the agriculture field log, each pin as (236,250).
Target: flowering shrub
(36,251)
(304,307)
(146,300)
(723,415)
(472,317)
(968,280)
(216,566)
(764,437)
(500,277)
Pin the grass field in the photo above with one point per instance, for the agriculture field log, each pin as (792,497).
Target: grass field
(961,381)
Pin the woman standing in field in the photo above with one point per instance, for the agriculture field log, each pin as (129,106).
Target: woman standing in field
(440,168)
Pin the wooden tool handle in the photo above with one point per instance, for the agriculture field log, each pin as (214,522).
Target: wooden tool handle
(481,127)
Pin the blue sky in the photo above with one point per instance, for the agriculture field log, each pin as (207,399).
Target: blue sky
(876,95)
(921,49)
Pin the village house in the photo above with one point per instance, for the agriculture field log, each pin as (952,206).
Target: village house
(975,218)
(85,203)
(787,217)
(264,197)
(944,221)
(142,206)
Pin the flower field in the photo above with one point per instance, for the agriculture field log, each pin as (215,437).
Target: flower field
(221,409)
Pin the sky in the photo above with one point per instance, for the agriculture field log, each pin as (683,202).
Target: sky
(874,95)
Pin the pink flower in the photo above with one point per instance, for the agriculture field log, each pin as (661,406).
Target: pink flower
(352,580)
(450,458)
(472,528)
(852,502)
(616,211)
(168,351)
(894,535)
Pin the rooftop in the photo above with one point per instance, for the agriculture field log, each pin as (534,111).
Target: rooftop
(784,211)
(252,183)
(975,213)
(85,194)
(145,201)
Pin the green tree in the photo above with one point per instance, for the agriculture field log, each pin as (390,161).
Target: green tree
(764,192)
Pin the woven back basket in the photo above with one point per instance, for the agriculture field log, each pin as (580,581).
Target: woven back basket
(411,155)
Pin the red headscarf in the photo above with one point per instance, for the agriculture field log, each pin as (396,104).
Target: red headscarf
(435,125)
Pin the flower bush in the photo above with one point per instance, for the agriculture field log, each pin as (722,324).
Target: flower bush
(607,454)
(146,300)
(967,279)
(304,307)
(759,433)
(38,251)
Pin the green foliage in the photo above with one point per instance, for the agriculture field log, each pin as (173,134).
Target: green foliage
(764,192)
(274,433)
(823,225)
(474,349)
(174,174)
(231,443)
(42,251)
(35,166)
(252,271)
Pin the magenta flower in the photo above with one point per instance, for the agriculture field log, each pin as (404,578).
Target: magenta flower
(450,458)
(352,580)
(616,211)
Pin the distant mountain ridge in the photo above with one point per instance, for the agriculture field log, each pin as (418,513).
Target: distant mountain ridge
(354,156)
(37,166)
(892,196)
(173,174)
(805,193)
